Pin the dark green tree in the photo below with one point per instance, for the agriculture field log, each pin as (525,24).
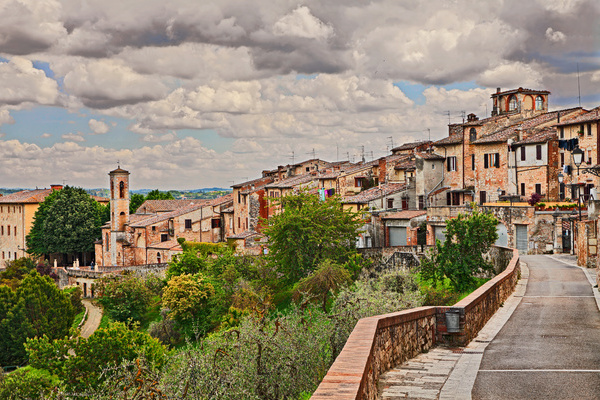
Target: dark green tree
(460,258)
(68,224)
(135,201)
(38,307)
(124,297)
(308,231)
(158,195)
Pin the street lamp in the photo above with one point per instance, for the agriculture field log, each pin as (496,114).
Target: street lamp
(499,193)
(577,155)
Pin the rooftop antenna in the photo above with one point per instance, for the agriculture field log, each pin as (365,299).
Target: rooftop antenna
(578,85)
(429,130)
(337,152)
(313,153)
(463,113)
(372,157)
(348,155)
(448,114)
(391,141)
(293,157)
(362,153)
(118,164)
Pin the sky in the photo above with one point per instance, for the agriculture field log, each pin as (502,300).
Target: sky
(191,94)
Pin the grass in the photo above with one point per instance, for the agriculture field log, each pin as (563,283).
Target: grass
(442,294)
(152,313)
(105,321)
(77,320)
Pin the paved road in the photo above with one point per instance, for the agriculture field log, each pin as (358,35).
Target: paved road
(550,346)
(93,319)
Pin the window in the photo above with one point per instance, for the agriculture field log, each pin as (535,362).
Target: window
(562,159)
(154,229)
(158,258)
(122,190)
(538,188)
(239,196)
(523,154)
(561,191)
(482,197)
(539,103)
(164,237)
(188,224)
(15,230)
(589,129)
(451,163)
(512,103)
(491,160)
(562,132)
(589,156)
(215,223)
(390,203)
(106,241)
(405,203)
(472,134)
(473,162)
(522,189)
(1,229)
(421,202)
(307,169)
(239,222)
(538,152)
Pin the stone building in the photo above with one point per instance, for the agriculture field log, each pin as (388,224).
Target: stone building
(17,211)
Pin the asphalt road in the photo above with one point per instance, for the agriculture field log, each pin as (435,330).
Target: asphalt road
(550,346)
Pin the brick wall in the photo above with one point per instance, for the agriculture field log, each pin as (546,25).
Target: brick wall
(379,343)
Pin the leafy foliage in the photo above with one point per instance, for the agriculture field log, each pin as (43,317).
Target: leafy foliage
(136,199)
(308,231)
(80,362)
(67,221)
(534,199)
(38,307)
(124,297)
(460,257)
(27,383)
(328,278)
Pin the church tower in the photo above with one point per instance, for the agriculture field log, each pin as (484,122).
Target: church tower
(119,212)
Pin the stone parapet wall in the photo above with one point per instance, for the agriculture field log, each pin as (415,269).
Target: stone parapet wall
(379,343)
(375,345)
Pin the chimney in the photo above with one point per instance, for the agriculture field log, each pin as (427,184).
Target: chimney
(56,187)
(498,90)
(472,117)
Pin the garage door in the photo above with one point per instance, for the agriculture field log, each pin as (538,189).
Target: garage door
(521,238)
(397,236)
(502,235)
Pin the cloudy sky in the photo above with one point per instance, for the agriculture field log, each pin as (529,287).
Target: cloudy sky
(190,94)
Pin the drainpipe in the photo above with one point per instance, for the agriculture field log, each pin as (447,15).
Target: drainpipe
(436,186)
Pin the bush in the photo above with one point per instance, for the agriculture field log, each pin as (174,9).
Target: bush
(27,383)
(125,297)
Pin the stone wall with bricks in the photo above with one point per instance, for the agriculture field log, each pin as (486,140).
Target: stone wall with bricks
(586,245)
(379,343)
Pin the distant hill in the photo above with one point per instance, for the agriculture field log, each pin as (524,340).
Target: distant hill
(205,193)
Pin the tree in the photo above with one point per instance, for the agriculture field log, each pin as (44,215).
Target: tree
(69,223)
(158,195)
(329,277)
(15,271)
(38,307)
(187,297)
(124,297)
(308,231)
(136,199)
(460,257)
(80,362)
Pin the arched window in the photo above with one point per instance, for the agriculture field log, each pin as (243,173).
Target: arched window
(158,259)
(122,190)
(512,103)
(472,134)
(539,103)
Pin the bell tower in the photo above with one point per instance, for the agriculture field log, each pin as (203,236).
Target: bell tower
(119,213)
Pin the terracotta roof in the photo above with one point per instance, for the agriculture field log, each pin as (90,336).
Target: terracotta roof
(257,182)
(440,190)
(376,193)
(520,90)
(593,115)
(244,235)
(118,171)
(539,137)
(151,220)
(227,210)
(407,164)
(507,132)
(293,181)
(410,146)
(26,196)
(406,214)
(430,156)
(156,206)
(359,167)
(452,139)
(483,121)
(221,200)
(166,245)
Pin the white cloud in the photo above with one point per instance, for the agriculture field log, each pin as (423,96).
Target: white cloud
(73,137)
(513,75)
(5,117)
(22,83)
(302,23)
(45,135)
(555,36)
(109,83)
(98,127)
